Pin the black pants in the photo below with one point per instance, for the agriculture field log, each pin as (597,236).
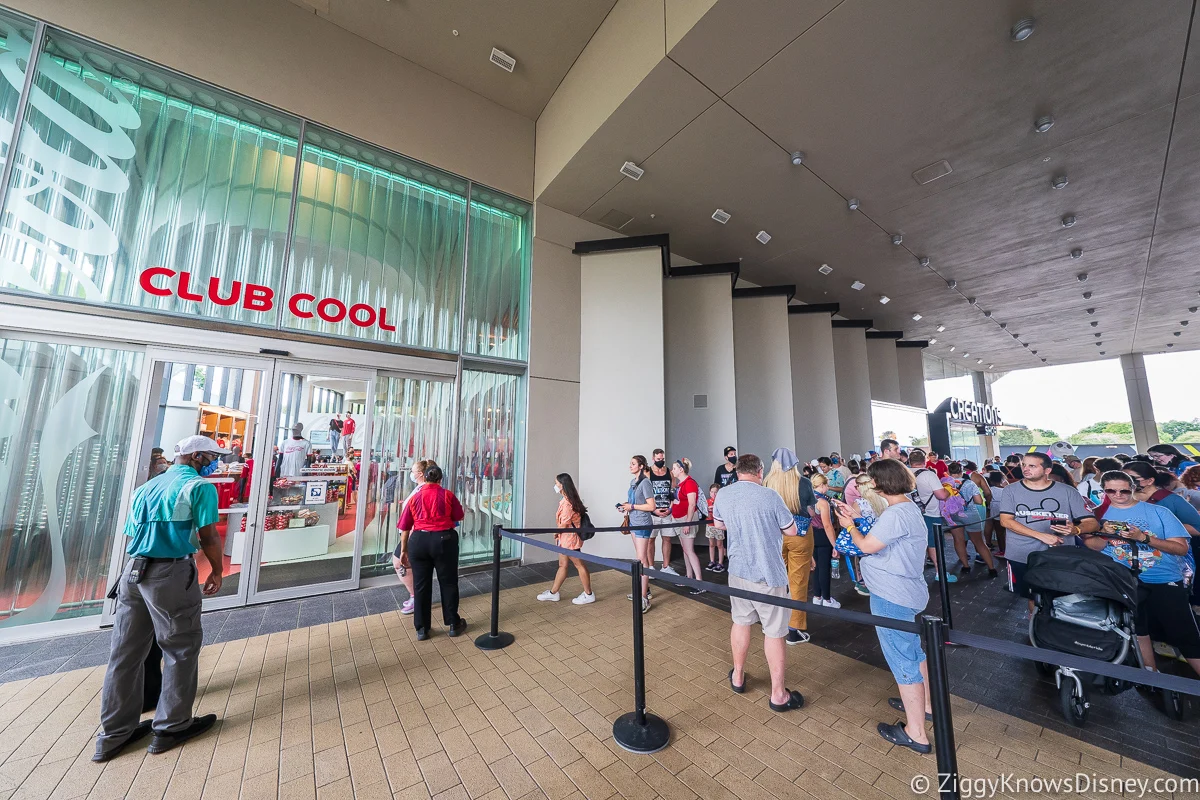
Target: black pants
(823,555)
(429,552)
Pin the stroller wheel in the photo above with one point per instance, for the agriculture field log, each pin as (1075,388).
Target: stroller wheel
(1173,704)
(1074,704)
(1044,669)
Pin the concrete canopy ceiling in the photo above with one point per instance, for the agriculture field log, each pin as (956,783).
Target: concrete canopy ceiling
(545,36)
(872,92)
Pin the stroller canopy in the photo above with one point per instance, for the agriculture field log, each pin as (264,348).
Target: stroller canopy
(1078,570)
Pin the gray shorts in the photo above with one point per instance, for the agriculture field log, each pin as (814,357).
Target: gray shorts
(774,619)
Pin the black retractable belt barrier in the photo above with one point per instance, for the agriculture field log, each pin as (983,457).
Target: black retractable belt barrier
(637,731)
(939,695)
(495,639)
(943,579)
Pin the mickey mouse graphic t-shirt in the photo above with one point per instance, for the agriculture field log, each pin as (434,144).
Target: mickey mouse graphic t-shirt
(1057,504)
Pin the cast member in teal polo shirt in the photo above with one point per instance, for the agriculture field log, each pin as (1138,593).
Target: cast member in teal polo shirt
(158,599)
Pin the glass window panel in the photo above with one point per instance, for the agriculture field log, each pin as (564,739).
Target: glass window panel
(15,35)
(123,166)
(497,275)
(378,246)
(413,417)
(490,425)
(65,430)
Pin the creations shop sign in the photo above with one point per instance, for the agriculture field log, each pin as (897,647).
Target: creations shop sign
(968,412)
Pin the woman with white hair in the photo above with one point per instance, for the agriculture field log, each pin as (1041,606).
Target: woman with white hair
(797,493)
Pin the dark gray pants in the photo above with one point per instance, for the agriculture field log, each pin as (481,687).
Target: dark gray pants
(163,608)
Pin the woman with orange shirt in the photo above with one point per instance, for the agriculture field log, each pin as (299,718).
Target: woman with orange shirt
(569,515)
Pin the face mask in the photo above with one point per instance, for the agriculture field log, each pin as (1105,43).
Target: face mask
(660,462)
(557,489)
(209,468)
(731,459)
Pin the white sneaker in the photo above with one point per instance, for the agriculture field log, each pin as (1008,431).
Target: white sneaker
(645,604)
(553,597)
(584,599)
(816,601)
(669,571)
(831,603)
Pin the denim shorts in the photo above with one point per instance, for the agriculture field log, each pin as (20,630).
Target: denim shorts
(902,650)
(932,537)
(643,532)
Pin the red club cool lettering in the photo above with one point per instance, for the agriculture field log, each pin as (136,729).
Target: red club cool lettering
(165,282)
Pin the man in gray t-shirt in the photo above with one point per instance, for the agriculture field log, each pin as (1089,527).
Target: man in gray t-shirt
(756,520)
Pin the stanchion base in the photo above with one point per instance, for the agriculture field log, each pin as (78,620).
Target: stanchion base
(641,739)
(498,642)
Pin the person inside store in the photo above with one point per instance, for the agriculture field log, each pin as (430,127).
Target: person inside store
(1037,513)
(756,520)
(726,474)
(1163,610)
(348,427)
(1168,457)
(295,453)
(335,433)
(797,494)
(428,545)
(664,491)
(893,568)
(638,509)
(158,601)
(569,514)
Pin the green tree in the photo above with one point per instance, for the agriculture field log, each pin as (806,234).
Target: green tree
(1176,430)
(1028,436)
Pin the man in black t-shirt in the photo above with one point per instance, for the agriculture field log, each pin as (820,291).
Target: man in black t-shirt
(664,493)
(726,474)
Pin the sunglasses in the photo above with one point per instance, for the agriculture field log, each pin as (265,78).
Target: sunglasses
(1118,492)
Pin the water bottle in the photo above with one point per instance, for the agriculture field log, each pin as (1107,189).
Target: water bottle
(835,566)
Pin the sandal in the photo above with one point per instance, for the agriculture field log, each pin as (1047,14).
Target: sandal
(898,736)
(739,689)
(898,704)
(795,700)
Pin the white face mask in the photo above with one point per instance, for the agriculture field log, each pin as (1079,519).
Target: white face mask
(557,489)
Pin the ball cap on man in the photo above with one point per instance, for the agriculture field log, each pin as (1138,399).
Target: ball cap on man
(193,445)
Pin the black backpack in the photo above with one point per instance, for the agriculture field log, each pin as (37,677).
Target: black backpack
(587,529)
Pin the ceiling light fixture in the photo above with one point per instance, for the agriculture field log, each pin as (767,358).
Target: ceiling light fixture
(1177,333)
(897,238)
(987,314)
(933,341)
(1101,352)
(1171,344)
(797,158)
(852,204)
(941,328)
(923,261)
(979,361)
(884,299)
(916,317)
(763,237)
(1087,295)
(1068,220)
(858,286)
(1082,277)
(1183,323)
(632,170)
(1090,310)
(991,366)
(1094,323)
(1193,309)
(1097,334)
(951,284)
(1076,253)
(722,216)
(1059,181)
(1044,361)
(1098,344)
(966,355)
(824,269)
(1034,352)
(503,60)
(1003,325)
(972,300)
(1043,124)
(951,348)
(1022,30)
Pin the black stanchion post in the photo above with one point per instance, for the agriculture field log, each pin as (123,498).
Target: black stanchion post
(495,639)
(637,731)
(939,692)
(943,583)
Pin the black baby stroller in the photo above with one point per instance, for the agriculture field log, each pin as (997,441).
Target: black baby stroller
(1085,605)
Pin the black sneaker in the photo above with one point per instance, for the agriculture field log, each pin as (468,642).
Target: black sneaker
(422,634)
(140,732)
(993,574)
(458,628)
(162,742)
(797,637)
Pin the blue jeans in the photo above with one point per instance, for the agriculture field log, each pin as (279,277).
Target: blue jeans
(902,650)
(931,539)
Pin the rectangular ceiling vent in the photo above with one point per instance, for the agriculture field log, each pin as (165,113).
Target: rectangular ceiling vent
(763,237)
(722,216)
(699,401)
(503,60)
(931,173)
(615,219)
(824,269)
(632,170)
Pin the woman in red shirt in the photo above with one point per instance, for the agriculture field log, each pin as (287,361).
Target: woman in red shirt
(428,544)
(683,509)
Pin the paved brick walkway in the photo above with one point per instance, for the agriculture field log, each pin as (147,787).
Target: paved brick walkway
(358,708)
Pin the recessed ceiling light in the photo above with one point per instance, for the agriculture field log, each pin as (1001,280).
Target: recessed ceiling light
(1044,361)
(1043,124)
(951,348)
(1183,323)
(1022,30)
(1090,310)
(1177,333)
(1094,323)
(923,261)
(1059,181)
(884,299)
(1193,309)
(632,170)
(1101,352)
(858,286)
(852,204)
(722,216)
(824,269)
(951,284)
(1077,253)
(797,158)
(1068,220)
(987,314)
(933,341)
(1003,325)
(991,366)
(1097,334)
(1098,344)
(1087,295)
(972,300)
(1034,352)
(916,317)
(1082,277)
(941,328)
(1171,344)
(979,361)
(763,237)
(897,238)
(966,355)
(1025,345)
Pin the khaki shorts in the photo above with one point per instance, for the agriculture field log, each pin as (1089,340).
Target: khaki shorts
(774,619)
(667,520)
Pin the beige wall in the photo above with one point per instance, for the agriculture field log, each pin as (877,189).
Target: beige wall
(285,56)
(911,371)
(814,387)
(762,352)
(884,370)
(698,322)
(853,390)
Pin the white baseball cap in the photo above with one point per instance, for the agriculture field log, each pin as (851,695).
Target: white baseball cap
(198,444)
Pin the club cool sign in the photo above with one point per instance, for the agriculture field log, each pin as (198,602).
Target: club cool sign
(164,282)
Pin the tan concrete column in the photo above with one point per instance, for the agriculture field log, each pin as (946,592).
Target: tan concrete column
(883,366)
(911,366)
(762,353)
(853,385)
(1141,410)
(814,383)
